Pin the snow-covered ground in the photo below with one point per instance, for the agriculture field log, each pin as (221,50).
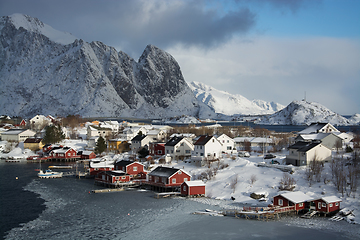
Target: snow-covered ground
(248,176)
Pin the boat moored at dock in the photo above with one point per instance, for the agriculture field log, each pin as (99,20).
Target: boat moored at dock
(49,174)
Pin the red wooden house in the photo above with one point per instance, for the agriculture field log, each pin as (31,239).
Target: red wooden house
(157,149)
(297,200)
(65,153)
(112,178)
(167,177)
(87,154)
(99,166)
(48,147)
(134,169)
(193,188)
(22,123)
(327,204)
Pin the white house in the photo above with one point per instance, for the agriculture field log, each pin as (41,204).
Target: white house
(156,134)
(228,144)
(319,128)
(131,132)
(17,135)
(207,147)
(178,147)
(94,131)
(140,141)
(302,153)
(40,120)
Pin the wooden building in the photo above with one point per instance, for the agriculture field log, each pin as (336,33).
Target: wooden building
(167,179)
(112,178)
(34,144)
(327,205)
(297,200)
(193,188)
(134,169)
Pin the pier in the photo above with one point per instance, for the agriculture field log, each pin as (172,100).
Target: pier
(259,213)
(166,194)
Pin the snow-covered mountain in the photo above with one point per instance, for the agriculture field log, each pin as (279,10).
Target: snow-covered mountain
(229,104)
(45,71)
(355,119)
(302,112)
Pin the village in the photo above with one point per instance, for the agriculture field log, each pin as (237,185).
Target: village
(190,161)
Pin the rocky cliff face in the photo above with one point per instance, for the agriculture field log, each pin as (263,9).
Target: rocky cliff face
(46,71)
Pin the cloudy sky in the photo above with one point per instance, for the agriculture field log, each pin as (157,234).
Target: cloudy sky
(274,50)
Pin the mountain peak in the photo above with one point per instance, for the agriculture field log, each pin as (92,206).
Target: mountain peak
(303,112)
(32,24)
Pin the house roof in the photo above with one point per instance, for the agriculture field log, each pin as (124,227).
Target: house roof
(203,140)
(316,136)
(296,197)
(315,128)
(33,140)
(138,138)
(304,146)
(13,132)
(163,172)
(331,199)
(173,141)
(195,183)
(114,173)
(123,163)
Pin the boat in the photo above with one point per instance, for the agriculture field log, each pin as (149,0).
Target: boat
(61,167)
(49,174)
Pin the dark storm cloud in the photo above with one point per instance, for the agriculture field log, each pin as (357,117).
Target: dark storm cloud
(133,24)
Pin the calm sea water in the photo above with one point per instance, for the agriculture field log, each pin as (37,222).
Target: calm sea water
(64,208)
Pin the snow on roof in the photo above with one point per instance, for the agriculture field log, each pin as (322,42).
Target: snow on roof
(101,164)
(331,199)
(13,132)
(296,197)
(195,183)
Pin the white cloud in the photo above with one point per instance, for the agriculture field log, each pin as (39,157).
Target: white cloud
(279,69)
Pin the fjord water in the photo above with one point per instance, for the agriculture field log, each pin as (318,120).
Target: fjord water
(64,208)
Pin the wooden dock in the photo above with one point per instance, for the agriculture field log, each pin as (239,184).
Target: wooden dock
(259,213)
(108,190)
(166,194)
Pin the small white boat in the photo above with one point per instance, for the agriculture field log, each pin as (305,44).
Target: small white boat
(49,174)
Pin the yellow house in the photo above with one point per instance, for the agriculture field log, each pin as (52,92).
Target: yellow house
(34,144)
(116,144)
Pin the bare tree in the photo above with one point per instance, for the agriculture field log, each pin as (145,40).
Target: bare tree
(233,183)
(253,179)
(287,182)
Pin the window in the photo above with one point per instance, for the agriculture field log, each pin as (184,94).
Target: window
(173,180)
(159,151)
(177,151)
(228,147)
(331,204)
(184,188)
(123,177)
(280,202)
(319,205)
(323,204)
(134,169)
(187,151)
(185,179)
(337,204)
(301,204)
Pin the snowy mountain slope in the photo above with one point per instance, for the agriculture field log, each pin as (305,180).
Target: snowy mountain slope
(35,25)
(355,119)
(41,75)
(229,104)
(302,112)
